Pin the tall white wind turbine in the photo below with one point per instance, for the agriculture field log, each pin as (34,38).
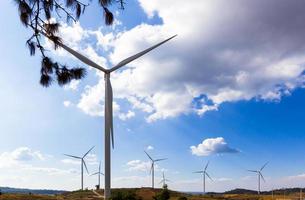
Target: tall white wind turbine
(108,103)
(204,173)
(152,168)
(259,175)
(164,180)
(99,173)
(83,164)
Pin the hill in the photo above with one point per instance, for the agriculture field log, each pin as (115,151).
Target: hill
(145,194)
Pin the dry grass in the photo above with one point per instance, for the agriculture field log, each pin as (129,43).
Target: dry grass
(144,193)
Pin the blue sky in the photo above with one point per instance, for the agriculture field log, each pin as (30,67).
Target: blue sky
(230,86)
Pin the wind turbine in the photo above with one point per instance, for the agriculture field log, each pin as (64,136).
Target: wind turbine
(83,163)
(99,173)
(108,102)
(204,173)
(260,175)
(152,169)
(164,180)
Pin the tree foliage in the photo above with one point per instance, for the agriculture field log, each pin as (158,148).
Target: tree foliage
(125,195)
(163,195)
(42,17)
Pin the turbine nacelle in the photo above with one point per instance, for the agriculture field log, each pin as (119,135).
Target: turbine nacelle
(152,168)
(164,180)
(260,175)
(83,163)
(109,132)
(204,173)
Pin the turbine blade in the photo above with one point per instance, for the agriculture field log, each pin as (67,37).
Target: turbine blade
(94,174)
(99,167)
(198,172)
(206,166)
(209,176)
(78,55)
(262,176)
(82,58)
(136,56)
(151,168)
(252,171)
(85,166)
(88,152)
(108,109)
(263,166)
(160,159)
(73,156)
(148,156)
(111,112)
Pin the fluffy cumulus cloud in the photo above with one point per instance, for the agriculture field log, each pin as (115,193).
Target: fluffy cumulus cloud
(23,158)
(221,55)
(212,146)
(138,165)
(21,154)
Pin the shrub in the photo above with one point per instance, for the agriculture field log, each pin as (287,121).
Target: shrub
(163,195)
(182,198)
(124,195)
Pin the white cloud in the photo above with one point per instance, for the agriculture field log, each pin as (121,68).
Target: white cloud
(297,177)
(244,53)
(91,99)
(212,146)
(70,161)
(48,170)
(132,181)
(73,85)
(128,115)
(138,165)
(67,103)
(92,159)
(23,158)
(142,166)
(149,148)
(21,154)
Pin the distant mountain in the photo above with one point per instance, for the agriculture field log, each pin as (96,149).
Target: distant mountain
(240,191)
(27,191)
(275,191)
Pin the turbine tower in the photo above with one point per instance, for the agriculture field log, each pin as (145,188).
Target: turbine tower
(108,113)
(204,173)
(99,173)
(83,164)
(152,169)
(259,175)
(164,180)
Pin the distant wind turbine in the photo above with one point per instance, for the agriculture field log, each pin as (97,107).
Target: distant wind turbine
(83,164)
(152,169)
(260,175)
(164,180)
(204,173)
(99,173)
(108,113)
